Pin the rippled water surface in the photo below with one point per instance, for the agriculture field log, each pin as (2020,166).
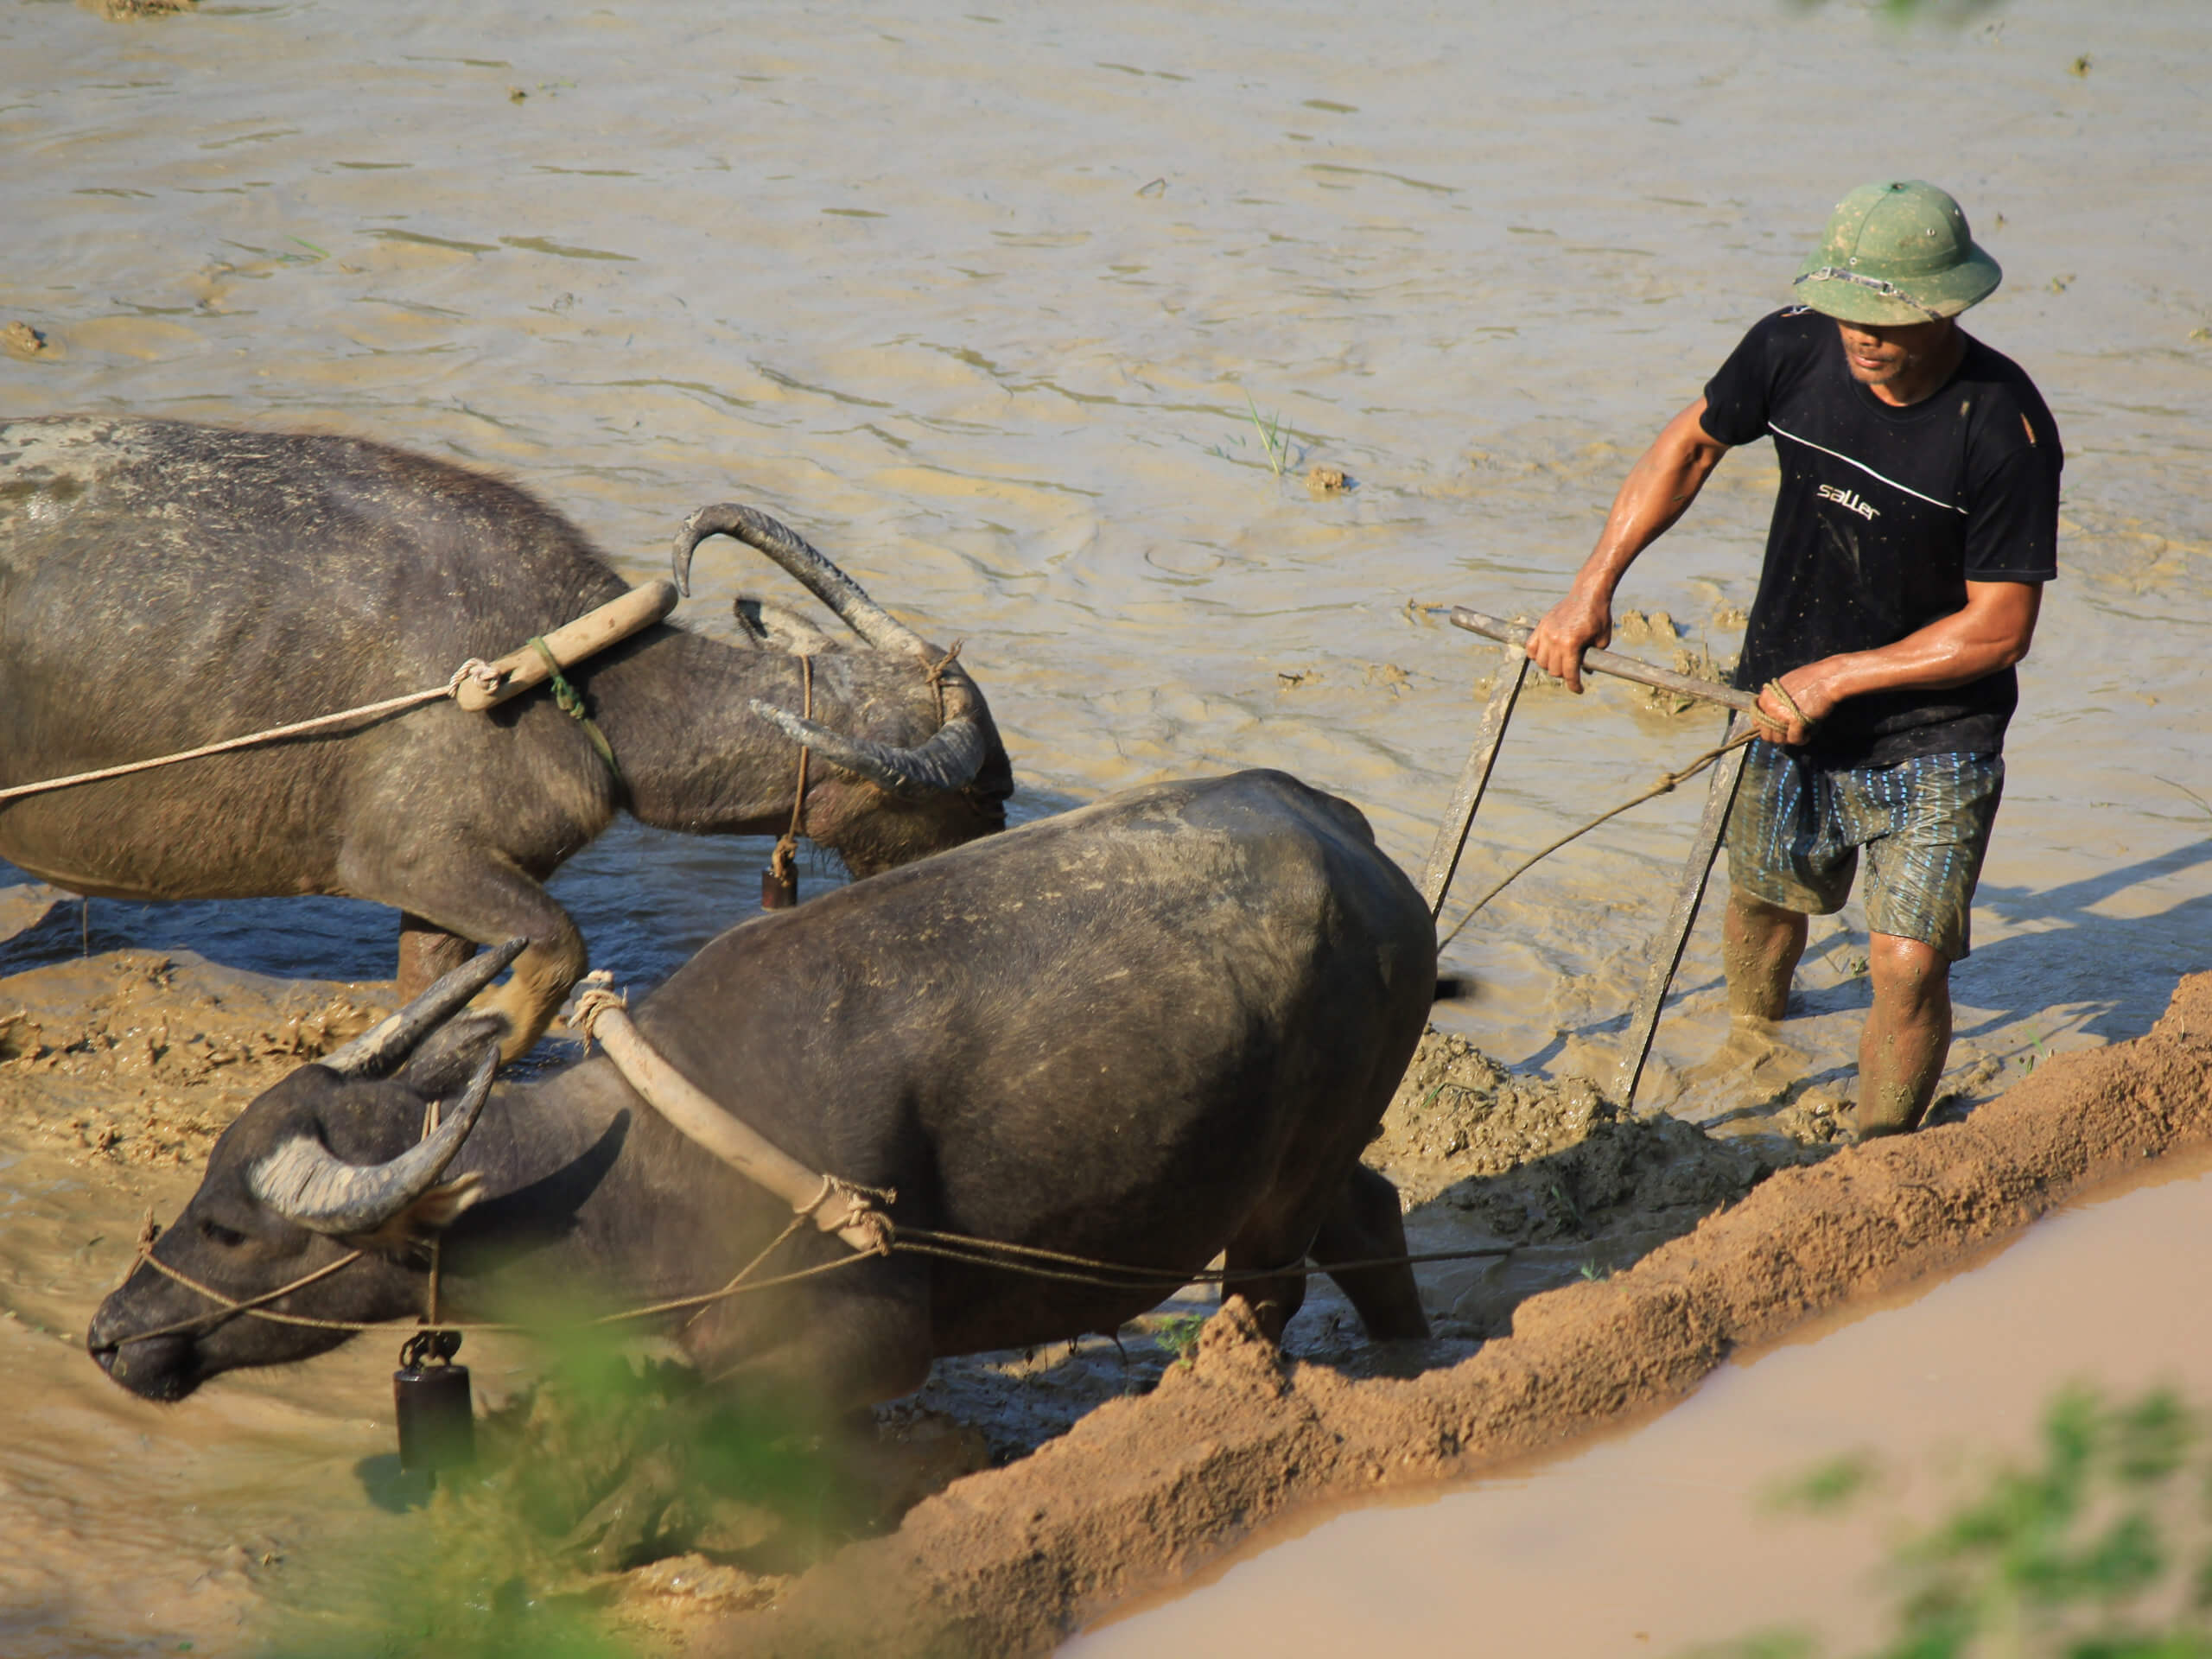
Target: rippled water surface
(983,301)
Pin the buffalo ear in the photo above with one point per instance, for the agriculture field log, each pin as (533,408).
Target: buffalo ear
(432,1214)
(447,1058)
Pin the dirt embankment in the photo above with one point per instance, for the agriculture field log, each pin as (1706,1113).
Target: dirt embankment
(135,1058)
(1144,1489)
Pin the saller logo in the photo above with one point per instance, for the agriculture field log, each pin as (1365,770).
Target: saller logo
(1849,500)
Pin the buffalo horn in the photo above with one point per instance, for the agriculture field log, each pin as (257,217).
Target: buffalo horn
(380,1049)
(307,1184)
(948,760)
(821,578)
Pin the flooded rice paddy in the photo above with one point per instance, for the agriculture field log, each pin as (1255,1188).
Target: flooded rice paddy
(985,302)
(1669,1537)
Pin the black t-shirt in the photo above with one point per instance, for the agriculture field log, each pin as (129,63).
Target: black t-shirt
(1884,516)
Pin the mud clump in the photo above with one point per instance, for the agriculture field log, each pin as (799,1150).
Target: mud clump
(142,1058)
(130,11)
(1551,1175)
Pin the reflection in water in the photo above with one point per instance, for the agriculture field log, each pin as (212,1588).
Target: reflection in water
(977,300)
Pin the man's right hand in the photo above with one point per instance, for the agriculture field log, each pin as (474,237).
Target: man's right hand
(1573,626)
(1653,494)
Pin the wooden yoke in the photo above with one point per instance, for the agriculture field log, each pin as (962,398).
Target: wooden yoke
(840,1208)
(571,643)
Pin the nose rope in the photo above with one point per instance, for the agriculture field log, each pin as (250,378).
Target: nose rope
(231,1306)
(934,672)
(255,1307)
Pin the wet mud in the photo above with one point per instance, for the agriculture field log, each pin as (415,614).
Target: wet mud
(120,1069)
(142,1058)
(1006,368)
(1144,1490)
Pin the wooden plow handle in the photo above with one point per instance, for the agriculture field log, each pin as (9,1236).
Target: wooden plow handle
(1606,662)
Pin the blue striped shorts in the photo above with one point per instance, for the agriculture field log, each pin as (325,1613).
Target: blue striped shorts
(1798,829)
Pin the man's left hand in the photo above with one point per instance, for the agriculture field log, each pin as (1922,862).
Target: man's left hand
(1778,723)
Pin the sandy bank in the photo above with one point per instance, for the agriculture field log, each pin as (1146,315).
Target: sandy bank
(1142,1491)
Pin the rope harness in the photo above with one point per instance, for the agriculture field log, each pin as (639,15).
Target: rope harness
(781,867)
(474,671)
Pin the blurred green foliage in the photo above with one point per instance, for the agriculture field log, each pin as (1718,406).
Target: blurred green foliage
(2101,1549)
(1946,12)
(610,1461)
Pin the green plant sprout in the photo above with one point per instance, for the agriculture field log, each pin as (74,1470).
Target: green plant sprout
(1178,1334)
(1272,436)
(1274,439)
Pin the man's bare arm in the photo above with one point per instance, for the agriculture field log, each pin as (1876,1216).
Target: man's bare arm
(1656,493)
(1993,632)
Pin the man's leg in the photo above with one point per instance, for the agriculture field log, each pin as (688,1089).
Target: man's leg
(1760,944)
(1932,817)
(1908,1034)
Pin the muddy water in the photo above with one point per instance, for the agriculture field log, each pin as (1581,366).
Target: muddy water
(976,298)
(1667,1536)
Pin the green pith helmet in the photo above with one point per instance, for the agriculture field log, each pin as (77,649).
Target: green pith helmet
(1897,253)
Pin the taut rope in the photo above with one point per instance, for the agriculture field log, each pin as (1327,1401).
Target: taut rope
(473,669)
(475,683)
(1529,863)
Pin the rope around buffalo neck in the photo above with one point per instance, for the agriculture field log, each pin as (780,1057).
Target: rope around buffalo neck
(571,704)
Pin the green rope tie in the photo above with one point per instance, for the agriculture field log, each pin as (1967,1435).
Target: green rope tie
(571,704)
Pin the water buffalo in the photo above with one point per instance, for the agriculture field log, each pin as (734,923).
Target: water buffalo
(1157,1028)
(165,585)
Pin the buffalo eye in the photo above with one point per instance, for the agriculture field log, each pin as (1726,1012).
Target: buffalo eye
(215,1233)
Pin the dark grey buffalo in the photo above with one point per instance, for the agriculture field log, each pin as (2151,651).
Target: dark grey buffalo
(163,586)
(1155,1028)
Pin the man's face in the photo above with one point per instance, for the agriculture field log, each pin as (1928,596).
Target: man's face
(1879,354)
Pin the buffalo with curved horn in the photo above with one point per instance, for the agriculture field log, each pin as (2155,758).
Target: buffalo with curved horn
(164,585)
(1144,1031)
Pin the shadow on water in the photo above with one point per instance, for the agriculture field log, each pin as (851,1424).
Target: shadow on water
(2061,939)
(389,1487)
(646,899)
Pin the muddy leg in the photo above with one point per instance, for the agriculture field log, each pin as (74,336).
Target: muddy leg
(484,898)
(1274,1299)
(1908,1034)
(426,953)
(1366,1222)
(542,977)
(1760,944)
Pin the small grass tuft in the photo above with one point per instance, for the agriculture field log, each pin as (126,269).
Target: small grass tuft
(1178,1334)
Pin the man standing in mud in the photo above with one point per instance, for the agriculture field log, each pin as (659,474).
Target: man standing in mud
(1916,522)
